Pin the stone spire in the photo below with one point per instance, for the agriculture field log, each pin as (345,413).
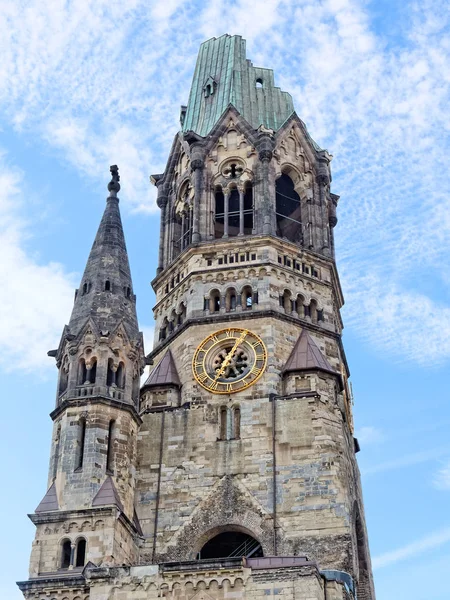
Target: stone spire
(106,291)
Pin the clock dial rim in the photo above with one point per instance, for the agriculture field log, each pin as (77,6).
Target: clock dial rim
(232,334)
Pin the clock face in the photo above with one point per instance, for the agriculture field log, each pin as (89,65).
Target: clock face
(229,360)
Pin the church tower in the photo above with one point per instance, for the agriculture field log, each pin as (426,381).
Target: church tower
(232,472)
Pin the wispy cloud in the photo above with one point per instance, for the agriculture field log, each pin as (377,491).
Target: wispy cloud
(441,478)
(370,435)
(407,460)
(429,542)
(102,82)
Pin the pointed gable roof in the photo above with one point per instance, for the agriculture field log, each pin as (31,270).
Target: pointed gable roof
(49,501)
(165,373)
(105,293)
(306,356)
(107,495)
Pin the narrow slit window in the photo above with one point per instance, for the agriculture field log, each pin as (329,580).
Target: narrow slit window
(110,450)
(81,443)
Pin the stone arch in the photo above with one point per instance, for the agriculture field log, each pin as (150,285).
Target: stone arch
(213,533)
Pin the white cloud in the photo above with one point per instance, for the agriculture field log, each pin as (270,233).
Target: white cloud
(407,460)
(37,297)
(441,479)
(369,435)
(102,83)
(418,547)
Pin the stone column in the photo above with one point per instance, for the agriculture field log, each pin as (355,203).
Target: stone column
(162,203)
(197,167)
(226,198)
(265,153)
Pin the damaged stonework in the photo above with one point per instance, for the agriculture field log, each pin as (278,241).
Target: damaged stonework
(232,471)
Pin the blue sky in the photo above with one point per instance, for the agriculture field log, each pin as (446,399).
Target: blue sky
(84,85)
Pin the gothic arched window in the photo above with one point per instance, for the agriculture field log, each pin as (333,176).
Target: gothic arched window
(288,210)
(66,552)
(80,552)
(219,220)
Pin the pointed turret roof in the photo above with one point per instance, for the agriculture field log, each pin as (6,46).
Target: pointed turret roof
(105,293)
(165,373)
(49,501)
(306,356)
(107,495)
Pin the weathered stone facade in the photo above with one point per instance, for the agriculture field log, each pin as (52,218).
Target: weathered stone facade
(143,484)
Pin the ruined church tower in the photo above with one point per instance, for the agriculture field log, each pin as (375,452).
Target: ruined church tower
(231,472)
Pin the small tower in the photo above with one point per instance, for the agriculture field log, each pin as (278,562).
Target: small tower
(87,513)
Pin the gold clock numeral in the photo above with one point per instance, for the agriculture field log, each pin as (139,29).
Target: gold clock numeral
(222,354)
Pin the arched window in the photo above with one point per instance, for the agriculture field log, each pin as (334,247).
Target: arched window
(219,218)
(63,378)
(66,552)
(248,209)
(163,330)
(285,301)
(236,424)
(82,372)
(181,316)
(230,544)
(247,298)
(80,552)
(223,433)
(259,82)
(107,286)
(214,301)
(110,449)
(120,376)
(299,305)
(92,371)
(288,210)
(230,300)
(81,443)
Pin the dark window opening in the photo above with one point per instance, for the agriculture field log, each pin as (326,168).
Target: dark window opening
(107,286)
(288,210)
(223,423)
(219,221)
(92,372)
(110,450)
(247,298)
(66,551)
(209,262)
(81,553)
(259,82)
(85,289)
(231,544)
(82,372)
(63,379)
(128,292)
(81,443)
(214,301)
(253,256)
(120,376)
(248,210)
(236,433)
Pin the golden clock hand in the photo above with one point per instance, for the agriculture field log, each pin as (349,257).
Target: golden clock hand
(230,355)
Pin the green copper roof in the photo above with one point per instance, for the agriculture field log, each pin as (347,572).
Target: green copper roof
(224,76)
